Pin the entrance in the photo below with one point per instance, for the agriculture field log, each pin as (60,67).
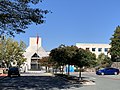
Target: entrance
(35,65)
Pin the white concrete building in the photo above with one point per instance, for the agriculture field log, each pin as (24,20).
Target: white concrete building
(95,48)
(34,52)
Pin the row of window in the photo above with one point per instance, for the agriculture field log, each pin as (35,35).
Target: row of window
(99,49)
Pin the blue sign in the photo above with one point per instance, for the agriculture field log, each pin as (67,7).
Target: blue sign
(71,68)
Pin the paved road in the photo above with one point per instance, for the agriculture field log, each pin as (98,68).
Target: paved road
(46,81)
(106,82)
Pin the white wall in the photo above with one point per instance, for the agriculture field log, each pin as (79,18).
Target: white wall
(96,46)
(33,41)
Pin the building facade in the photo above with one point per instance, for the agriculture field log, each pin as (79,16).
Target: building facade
(33,54)
(95,48)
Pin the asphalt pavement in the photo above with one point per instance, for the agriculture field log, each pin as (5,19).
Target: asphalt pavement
(47,81)
(105,82)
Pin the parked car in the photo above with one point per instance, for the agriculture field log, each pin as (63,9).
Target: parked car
(108,71)
(13,71)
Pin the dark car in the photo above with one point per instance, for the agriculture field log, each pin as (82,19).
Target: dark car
(13,71)
(108,71)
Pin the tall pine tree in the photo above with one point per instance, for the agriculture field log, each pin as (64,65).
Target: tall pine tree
(115,45)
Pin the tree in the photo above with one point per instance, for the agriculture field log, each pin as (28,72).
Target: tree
(63,55)
(103,61)
(71,55)
(46,61)
(115,45)
(70,51)
(58,56)
(12,50)
(16,15)
(84,58)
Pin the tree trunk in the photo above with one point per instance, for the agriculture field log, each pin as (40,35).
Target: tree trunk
(68,69)
(62,69)
(46,68)
(80,75)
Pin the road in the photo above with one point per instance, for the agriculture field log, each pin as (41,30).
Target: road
(106,82)
(46,81)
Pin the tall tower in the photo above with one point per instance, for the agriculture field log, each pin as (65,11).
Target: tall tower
(33,41)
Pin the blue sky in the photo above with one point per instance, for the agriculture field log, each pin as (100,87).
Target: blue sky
(73,21)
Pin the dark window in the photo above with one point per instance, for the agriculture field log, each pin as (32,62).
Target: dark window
(35,55)
(106,49)
(35,66)
(93,49)
(99,49)
(87,48)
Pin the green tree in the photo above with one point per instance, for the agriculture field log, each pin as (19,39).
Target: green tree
(47,62)
(58,56)
(115,45)
(12,50)
(44,62)
(103,61)
(16,15)
(84,58)
(70,51)
(63,55)
(71,55)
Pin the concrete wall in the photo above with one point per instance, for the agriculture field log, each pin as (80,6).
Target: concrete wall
(99,48)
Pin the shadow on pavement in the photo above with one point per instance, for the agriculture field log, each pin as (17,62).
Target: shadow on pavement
(36,83)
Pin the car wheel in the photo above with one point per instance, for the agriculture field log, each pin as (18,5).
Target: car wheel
(115,73)
(102,73)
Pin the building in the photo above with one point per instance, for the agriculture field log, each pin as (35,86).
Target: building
(95,48)
(33,54)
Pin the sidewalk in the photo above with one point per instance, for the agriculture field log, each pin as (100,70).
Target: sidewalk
(35,71)
(84,73)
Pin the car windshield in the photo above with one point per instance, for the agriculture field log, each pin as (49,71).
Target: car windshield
(13,68)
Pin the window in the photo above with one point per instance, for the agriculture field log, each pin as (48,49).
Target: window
(106,49)
(93,49)
(87,48)
(35,55)
(99,49)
